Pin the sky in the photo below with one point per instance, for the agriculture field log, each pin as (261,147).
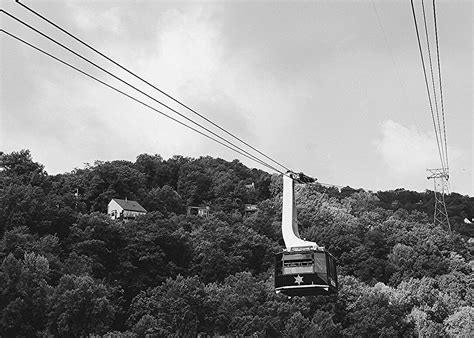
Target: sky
(334,89)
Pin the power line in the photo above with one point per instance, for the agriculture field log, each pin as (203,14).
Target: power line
(131,97)
(389,49)
(128,84)
(426,81)
(148,83)
(432,78)
(134,99)
(440,176)
(242,152)
(440,83)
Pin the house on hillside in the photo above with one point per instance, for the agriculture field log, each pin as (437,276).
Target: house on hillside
(124,209)
(250,208)
(198,211)
(250,186)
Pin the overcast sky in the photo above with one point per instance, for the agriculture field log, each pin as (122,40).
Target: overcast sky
(325,87)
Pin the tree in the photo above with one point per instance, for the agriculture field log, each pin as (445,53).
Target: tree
(373,315)
(221,250)
(156,248)
(461,323)
(165,200)
(22,205)
(323,325)
(424,325)
(423,260)
(264,220)
(178,307)
(156,172)
(64,268)
(19,241)
(81,306)
(24,295)
(403,257)
(98,237)
(194,184)
(19,167)
(458,289)
(297,326)
(427,305)
(245,305)
(362,201)
(106,180)
(38,207)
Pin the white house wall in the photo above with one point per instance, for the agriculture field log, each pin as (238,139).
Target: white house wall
(114,206)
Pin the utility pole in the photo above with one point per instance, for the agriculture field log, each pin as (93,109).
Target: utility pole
(440,179)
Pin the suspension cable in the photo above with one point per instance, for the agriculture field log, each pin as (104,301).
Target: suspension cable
(426,81)
(440,84)
(432,77)
(148,83)
(127,83)
(135,99)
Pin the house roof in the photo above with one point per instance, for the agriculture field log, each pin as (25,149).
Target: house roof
(129,205)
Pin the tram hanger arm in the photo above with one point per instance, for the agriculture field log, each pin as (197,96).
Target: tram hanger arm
(289,224)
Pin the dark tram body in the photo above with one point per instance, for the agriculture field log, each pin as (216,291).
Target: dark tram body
(305,273)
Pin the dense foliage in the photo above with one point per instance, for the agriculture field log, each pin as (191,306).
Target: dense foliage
(67,269)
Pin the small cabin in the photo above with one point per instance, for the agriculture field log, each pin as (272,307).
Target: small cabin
(250,208)
(250,186)
(124,209)
(198,211)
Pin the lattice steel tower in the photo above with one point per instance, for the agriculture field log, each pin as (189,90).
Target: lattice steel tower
(440,178)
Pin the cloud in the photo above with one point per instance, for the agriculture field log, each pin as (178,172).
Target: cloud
(192,61)
(287,89)
(108,20)
(406,150)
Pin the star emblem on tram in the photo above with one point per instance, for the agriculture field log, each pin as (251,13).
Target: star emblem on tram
(298,279)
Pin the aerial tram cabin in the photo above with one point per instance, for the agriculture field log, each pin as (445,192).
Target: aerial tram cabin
(305,273)
(303,268)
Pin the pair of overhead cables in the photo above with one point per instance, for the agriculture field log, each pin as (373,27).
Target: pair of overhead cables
(216,137)
(390,50)
(439,127)
(116,89)
(440,82)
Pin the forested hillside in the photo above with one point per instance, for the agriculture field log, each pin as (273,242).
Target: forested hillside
(67,269)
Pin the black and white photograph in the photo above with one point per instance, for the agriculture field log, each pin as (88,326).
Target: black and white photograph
(211,168)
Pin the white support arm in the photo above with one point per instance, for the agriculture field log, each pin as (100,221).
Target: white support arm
(289,223)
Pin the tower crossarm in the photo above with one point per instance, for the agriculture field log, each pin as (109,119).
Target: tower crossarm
(438,173)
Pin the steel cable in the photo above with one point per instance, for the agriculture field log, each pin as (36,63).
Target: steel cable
(148,83)
(128,84)
(133,98)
